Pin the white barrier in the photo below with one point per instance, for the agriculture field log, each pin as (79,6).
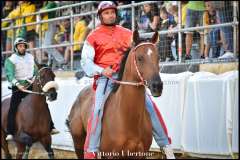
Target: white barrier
(207,120)
(171,104)
(235,139)
(60,109)
(5,91)
(200,111)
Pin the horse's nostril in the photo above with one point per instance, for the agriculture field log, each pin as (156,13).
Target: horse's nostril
(157,85)
(53,95)
(154,85)
(156,88)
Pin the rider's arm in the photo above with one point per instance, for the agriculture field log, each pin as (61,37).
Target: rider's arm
(10,72)
(87,61)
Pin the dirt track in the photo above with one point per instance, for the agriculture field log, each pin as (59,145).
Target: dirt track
(38,152)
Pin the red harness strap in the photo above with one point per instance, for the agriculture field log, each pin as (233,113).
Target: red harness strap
(90,119)
(161,120)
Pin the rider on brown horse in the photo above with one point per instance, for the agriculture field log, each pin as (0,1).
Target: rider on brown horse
(101,57)
(19,69)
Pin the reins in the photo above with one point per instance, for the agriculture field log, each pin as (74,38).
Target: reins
(142,82)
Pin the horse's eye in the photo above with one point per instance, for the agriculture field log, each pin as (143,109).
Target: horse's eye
(140,58)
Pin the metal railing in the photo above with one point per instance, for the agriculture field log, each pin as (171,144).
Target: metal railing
(234,24)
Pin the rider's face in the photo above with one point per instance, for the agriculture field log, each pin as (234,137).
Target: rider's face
(109,16)
(21,48)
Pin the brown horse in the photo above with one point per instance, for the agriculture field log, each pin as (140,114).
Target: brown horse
(32,118)
(126,124)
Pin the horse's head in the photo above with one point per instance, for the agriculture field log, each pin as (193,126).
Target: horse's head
(44,81)
(146,62)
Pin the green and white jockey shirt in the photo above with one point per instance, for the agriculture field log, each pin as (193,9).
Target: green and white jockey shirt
(19,68)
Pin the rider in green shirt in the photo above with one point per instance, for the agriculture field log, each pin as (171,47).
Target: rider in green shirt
(20,68)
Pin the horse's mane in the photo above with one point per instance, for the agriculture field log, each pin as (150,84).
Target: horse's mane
(122,67)
(123,62)
(42,65)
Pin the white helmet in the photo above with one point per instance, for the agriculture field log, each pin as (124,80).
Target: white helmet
(106,5)
(19,40)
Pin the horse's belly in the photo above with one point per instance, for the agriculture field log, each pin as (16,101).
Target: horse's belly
(40,127)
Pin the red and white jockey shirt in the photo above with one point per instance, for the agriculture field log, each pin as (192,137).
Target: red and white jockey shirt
(105,47)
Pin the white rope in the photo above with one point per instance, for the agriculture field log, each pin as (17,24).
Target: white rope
(28,91)
(130,83)
(50,84)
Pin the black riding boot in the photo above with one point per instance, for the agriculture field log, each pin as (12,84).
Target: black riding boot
(51,122)
(16,98)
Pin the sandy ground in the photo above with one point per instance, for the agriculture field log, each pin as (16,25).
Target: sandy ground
(38,152)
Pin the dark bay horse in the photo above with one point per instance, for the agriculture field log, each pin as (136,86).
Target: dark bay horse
(32,118)
(126,124)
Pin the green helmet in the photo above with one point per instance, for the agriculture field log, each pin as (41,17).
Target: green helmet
(19,40)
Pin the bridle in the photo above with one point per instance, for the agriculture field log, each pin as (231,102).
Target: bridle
(38,76)
(142,82)
(39,82)
(31,81)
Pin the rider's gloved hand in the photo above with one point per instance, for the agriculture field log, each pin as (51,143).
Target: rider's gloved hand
(107,72)
(20,87)
(30,81)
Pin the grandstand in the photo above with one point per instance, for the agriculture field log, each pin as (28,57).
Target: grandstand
(72,10)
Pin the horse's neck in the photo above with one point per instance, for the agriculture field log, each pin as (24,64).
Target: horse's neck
(131,97)
(36,88)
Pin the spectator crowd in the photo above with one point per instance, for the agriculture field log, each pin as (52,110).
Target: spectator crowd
(161,16)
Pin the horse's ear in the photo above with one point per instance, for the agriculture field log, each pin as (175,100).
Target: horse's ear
(40,65)
(155,37)
(136,38)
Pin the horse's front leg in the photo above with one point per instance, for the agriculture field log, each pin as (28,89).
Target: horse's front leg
(20,150)
(26,152)
(46,142)
(4,145)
